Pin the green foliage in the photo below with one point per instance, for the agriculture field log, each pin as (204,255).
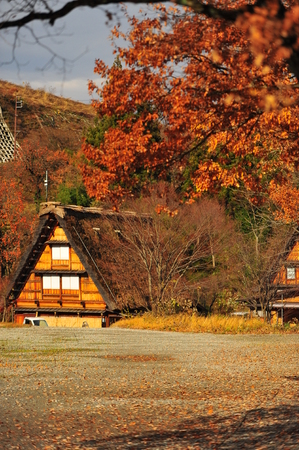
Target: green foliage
(95,135)
(195,158)
(252,214)
(74,195)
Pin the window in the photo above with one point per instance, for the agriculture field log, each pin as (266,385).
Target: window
(70,283)
(60,253)
(51,282)
(291,273)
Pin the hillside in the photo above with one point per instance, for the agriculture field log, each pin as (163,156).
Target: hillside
(55,121)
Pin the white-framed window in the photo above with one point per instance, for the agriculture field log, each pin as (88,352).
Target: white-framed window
(70,282)
(51,282)
(60,252)
(291,273)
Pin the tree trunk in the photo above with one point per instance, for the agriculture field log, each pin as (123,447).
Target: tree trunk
(256,246)
(212,253)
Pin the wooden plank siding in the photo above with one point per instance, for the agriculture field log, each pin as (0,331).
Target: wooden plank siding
(75,263)
(34,293)
(282,279)
(44,262)
(58,235)
(292,262)
(294,254)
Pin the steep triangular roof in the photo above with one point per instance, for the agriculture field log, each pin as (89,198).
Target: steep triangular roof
(6,141)
(80,226)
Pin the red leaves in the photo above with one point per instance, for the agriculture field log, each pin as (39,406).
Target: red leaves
(210,98)
(14,224)
(31,164)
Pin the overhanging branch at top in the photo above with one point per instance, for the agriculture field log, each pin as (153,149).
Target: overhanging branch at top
(27,11)
(277,13)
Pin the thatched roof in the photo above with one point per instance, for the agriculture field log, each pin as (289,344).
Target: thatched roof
(81,226)
(30,256)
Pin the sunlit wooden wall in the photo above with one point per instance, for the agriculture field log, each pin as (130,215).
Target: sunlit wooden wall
(36,294)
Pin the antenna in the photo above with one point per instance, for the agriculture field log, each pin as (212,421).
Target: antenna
(18,105)
(46,185)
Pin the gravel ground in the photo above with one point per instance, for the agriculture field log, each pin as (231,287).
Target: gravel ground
(128,389)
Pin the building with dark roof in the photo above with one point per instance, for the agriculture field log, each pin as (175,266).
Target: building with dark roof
(59,276)
(286,283)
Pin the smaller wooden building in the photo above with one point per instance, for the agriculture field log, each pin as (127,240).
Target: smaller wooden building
(58,277)
(286,282)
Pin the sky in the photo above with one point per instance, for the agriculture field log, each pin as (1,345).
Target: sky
(80,38)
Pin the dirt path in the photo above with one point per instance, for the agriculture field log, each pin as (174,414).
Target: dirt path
(123,389)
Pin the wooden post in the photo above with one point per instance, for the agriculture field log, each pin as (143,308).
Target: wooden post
(60,288)
(80,290)
(46,185)
(4,310)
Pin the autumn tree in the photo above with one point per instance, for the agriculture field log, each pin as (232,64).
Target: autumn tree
(161,254)
(226,116)
(257,270)
(260,248)
(215,290)
(268,24)
(29,169)
(13,224)
(95,136)
(16,225)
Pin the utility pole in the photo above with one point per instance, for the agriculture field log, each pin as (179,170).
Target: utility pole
(18,105)
(46,185)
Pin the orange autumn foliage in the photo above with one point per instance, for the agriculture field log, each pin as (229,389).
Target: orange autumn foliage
(287,201)
(213,97)
(16,224)
(271,26)
(30,165)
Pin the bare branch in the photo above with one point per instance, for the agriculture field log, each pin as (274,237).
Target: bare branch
(30,12)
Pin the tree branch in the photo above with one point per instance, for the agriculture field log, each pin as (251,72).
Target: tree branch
(50,15)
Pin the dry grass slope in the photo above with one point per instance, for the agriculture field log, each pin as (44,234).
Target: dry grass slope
(40,97)
(56,121)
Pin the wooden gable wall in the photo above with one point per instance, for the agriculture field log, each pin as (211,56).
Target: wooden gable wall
(47,263)
(289,272)
(35,293)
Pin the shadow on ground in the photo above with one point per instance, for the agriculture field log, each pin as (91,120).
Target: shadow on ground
(275,428)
